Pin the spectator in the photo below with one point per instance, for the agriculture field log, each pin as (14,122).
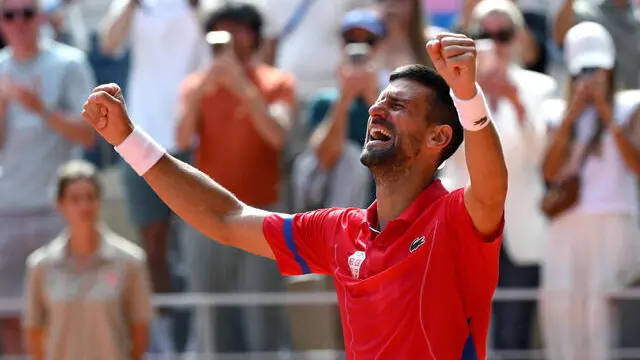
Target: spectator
(593,241)
(43,87)
(533,36)
(240,109)
(88,289)
(329,173)
(290,27)
(79,22)
(516,95)
(303,39)
(404,42)
(155,31)
(338,116)
(621,21)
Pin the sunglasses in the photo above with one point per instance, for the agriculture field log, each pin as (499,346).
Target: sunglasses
(25,14)
(500,36)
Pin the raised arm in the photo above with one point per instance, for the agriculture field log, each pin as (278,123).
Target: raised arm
(117,24)
(454,56)
(188,192)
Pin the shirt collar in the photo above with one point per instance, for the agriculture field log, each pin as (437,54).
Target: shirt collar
(106,250)
(433,192)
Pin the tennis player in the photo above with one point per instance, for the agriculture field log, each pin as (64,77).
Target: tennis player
(416,271)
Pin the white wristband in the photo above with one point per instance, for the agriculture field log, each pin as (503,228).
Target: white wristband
(140,151)
(474,113)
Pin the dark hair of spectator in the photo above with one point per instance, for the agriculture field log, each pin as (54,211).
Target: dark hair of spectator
(245,14)
(73,171)
(417,38)
(442,110)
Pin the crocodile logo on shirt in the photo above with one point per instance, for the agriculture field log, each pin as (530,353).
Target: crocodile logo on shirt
(415,244)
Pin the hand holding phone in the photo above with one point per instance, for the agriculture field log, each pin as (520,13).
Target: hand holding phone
(219,41)
(358,53)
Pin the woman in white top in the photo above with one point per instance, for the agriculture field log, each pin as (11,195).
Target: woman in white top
(593,246)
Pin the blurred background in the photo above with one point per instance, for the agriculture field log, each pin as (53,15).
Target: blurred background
(192,71)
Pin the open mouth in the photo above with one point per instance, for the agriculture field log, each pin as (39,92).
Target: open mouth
(379,135)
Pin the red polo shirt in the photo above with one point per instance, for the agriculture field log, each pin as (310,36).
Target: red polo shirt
(420,289)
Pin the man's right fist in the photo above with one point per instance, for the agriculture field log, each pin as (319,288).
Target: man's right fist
(105,110)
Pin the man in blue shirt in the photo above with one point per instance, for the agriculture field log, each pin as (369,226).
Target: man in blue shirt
(337,116)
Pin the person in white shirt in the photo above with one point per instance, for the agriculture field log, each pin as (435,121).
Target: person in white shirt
(593,247)
(516,95)
(167,44)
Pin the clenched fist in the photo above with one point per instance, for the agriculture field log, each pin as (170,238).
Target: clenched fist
(105,110)
(454,57)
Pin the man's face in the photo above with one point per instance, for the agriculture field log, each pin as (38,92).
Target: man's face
(244,38)
(397,127)
(20,22)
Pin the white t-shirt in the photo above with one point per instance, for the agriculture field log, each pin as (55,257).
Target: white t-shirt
(167,44)
(607,184)
(525,225)
(311,52)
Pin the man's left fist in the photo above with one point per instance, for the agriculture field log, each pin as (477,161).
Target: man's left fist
(454,57)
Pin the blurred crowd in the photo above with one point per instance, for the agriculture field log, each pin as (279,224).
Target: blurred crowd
(270,98)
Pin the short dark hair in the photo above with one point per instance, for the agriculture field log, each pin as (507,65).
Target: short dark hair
(442,110)
(242,13)
(73,171)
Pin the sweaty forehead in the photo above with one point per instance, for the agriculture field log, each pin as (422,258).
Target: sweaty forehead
(405,90)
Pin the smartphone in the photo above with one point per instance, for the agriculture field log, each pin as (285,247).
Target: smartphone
(219,41)
(358,53)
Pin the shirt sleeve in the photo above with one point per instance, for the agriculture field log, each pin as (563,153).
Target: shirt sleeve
(137,294)
(78,84)
(34,312)
(302,243)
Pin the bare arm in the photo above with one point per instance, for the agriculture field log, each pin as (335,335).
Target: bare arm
(563,22)
(208,207)
(188,119)
(269,49)
(628,141)
(327,140)
(272,121)
(558,151)
(487,191)
(116,29)
(71,128)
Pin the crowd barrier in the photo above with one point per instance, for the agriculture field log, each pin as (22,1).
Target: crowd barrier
(200,301)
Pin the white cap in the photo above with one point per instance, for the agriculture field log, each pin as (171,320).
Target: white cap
(588,45)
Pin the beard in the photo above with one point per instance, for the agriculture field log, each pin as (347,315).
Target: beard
(373,158)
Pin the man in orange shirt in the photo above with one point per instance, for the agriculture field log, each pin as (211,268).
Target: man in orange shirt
(239,110)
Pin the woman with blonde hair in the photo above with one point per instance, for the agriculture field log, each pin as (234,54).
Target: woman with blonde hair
(87,290)
(591,168)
